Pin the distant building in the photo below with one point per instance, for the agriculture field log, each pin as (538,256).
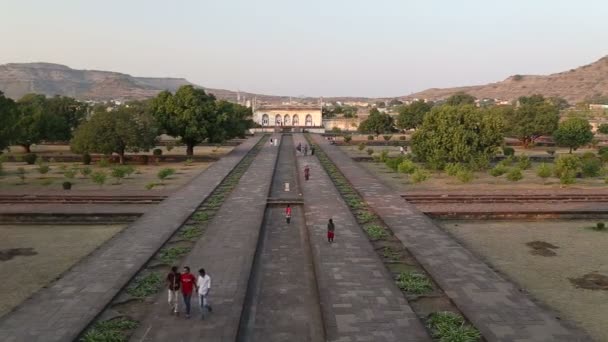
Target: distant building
(288,115)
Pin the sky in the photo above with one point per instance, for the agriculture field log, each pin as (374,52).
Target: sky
(380,48)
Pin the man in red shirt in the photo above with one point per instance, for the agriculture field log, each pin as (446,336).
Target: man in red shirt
(187,285)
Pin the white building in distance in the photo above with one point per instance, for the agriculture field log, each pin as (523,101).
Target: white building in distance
(288,115)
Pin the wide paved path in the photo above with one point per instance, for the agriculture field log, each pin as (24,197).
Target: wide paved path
(359,298)
(493,304)
(283,303)
(226,251)
(61,311)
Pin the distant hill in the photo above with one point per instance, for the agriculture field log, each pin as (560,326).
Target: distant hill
(18,79)
(574,85)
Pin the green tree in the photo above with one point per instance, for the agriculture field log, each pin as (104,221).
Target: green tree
(460,98)
(412,115)
(573,133)
(559,102)
(457,134)
(534,116)
(118,131)
(8,118)
(377,123)
(194,116)
(603,128)
(42,119)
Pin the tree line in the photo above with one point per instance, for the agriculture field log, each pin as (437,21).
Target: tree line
(457,130)
(190,114)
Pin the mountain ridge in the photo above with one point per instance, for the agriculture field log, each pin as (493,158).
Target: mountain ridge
(574,85)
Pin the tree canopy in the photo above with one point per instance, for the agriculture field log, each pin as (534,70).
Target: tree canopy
(41,119)
(412,115)
(460,98)
(461,134)
(124,129)
(534,116)
(195,116)
(573,133)
(8,117)
(377,123)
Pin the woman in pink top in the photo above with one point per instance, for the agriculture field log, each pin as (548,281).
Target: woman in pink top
(288,214)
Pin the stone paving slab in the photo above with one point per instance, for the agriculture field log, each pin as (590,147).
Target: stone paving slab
(226,251)
(359,299)
(80,209)
(493,304)
(283,303)
(61,311)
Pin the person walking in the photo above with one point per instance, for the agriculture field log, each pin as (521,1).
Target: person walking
(299,147)
(271,143)
(401,150)
(306,149)
(330,231)
(288,214)
(203,285)
(312,150)
(187,284)
(306,172)
(173,285)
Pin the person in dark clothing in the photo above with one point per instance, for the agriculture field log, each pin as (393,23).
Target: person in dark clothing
(173,285)
(330,231)
(312,150)
(305,149)
(306,172)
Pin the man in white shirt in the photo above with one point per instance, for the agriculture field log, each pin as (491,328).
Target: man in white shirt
(203,285)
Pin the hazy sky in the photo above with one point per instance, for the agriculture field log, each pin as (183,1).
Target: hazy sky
(310,47)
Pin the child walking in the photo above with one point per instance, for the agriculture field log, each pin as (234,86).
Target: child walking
(330,231)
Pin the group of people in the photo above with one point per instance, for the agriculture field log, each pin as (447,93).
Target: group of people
(186,284)
(331,228)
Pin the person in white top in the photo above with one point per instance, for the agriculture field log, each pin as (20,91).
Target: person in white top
(203,285)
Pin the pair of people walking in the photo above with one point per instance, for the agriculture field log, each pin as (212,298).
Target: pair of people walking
(187,283)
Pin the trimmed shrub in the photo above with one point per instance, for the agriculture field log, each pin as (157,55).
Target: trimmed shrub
(419,176)
(523,162)
(508,151)
(591,167)
(30,158)
(70,174)
(86,171)
(407,166)
(44,169)
(370,137)
(600,226)
(86,159)
(370,151)
(465,176)
(567,163)
(157,152)
(99,178)
(498,170)
(118,173)
(508,161)
(514,175)
(544,171)
(383,155)
(567,177)
(103,162)
(387,137)
(402,137)
(165,173)
(452,168)
(393,163)
(348,138)
(66,185)
(361,146)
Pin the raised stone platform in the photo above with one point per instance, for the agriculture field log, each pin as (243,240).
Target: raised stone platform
(494,305)
(359,299)
(61,311)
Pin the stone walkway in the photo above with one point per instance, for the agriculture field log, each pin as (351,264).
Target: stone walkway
(283,303)
(359,298)
(493,304)
(226,251)
(61,311)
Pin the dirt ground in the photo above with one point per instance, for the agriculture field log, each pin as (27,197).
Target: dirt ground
(482,182)
(513,248)
(143,175)
(33,256)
